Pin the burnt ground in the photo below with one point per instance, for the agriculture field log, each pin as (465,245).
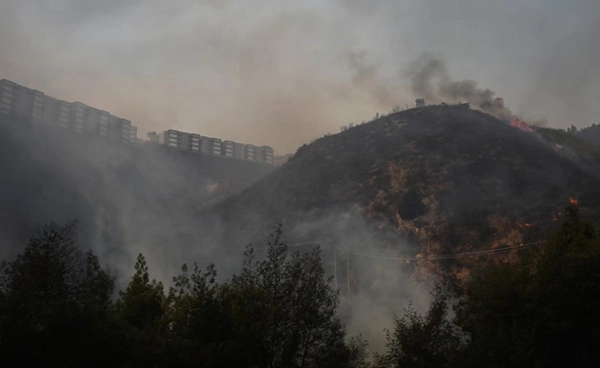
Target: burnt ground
(444,178)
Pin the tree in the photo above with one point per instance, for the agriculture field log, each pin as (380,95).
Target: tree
(56,310)
(285,311)
(53,296)
(430,340)
(141,309)
(541,311)
(200,321)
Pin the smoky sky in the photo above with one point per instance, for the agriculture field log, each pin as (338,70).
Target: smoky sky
(285,73)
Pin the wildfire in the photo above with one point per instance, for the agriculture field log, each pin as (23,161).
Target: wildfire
(573,201)
(526,224)
(521,125)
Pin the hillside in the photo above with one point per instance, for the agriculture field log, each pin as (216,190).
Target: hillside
(438,179)
(590,134)
(144,196)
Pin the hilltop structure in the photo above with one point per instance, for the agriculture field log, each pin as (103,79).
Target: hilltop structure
(193,142)
(31,105)
(35,106)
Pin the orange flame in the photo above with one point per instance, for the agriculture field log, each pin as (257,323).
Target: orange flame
(521,125)
(573,201)
(525,224)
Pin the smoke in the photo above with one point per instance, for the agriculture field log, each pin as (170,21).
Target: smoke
(374,286)
(127,199)
(192,66)
(159,202)
(266,72)
(366,78)
(281,74)
(429,79)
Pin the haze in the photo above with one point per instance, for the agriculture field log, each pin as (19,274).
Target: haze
(285,73)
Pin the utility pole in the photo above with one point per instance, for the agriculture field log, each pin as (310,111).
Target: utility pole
(335,264)
(347,270)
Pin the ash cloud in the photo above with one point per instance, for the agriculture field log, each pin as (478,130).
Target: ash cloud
(429,79)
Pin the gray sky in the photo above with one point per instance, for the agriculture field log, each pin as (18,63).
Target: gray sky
(283,73)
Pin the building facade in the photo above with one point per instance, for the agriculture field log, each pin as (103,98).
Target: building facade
(250,152)
(215,146)
(119,129)
(77,116)
(6,96)
(239,151)
(56,112)
(35,106)
(180,140)
(227,148)
(264,154)
(21,102)
(133,134)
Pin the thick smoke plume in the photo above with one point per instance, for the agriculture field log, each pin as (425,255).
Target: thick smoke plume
(429,79)
(278,73)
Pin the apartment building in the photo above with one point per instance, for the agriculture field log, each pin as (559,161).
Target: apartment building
(168,138)
(119,129)
(77,115)
(56,112)
(215,146)
(133,134)
(180,140)
(6,96)
(205,145)
(239,151)
(250,152)
(210,146)
(227,148)
(84,118)
(264,154)
(33,105)
(20,101)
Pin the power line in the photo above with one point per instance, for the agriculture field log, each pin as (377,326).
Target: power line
(406,257)
(446,256)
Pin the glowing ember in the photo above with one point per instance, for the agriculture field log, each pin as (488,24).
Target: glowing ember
(573,201)
(521,125)
(526,224)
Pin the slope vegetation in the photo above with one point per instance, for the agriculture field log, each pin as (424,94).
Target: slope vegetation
(446,179)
